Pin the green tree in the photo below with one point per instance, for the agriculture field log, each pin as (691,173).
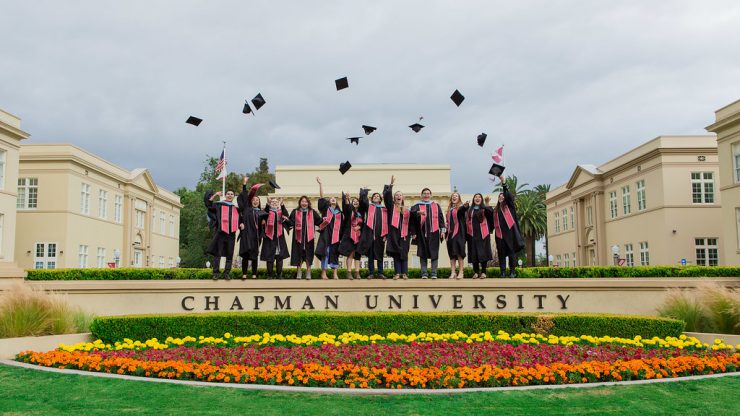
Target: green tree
(532,221)
(512,182)
(541,191)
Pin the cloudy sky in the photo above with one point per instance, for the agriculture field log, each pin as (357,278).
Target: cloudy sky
(559,83)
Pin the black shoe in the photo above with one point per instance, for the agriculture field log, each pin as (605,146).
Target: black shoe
(227,275)
(512,274)
(503,274)
(215,275)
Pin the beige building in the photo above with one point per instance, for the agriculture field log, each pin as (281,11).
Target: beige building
(75,209)
(727,127)
(10,144)
(654,205)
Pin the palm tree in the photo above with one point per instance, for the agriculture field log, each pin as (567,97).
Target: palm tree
(530,209)
(541,191)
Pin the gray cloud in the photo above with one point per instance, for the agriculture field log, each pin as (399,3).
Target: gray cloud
(559,83)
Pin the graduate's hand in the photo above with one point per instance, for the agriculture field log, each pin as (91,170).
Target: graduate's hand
(393,179)
(487,199)
(318,180)
(501,178)
(245,179)
(241,226)
(467,204)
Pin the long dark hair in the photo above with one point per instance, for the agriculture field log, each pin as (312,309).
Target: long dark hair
(307,200)
(481,214)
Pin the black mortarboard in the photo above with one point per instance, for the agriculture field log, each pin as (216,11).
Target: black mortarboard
(341,83)
(368,129)
(258,101)
(273,184)
(482,139)
(344,167)
(416,127)
(457,98)
(496,169)
(247,109)
(355,140)
(194,120)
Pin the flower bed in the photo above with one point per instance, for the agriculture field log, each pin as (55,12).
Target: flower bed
(422,360)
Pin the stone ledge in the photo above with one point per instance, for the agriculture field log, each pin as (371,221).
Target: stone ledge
(9,347)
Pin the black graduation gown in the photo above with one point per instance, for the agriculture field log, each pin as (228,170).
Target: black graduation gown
(251,217)
(456,244)
(371,239)
(210,216)
(397,247)
(325,235)
(479,249)
(347,245)
(427,240)
(275,248)
(222,244)
(303,251)
(512,237)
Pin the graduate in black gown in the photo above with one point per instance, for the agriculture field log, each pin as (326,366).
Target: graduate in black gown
(227,223)
(456,236)
(251,226)
(304,221)
(274,247)
(430,231)
(351,231)
(509,239)
(327,248)
(374,231)
(478,225)
(400,230)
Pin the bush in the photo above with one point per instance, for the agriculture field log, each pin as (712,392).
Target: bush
(527,272)
(680,304)
(27,312)
(714,308)
(141,327)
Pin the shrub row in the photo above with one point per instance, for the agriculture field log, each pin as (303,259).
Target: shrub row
(526,272)
(142,327)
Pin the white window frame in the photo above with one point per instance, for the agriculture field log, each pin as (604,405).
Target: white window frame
(101,257)
(82,256)
(172,225)
(707,251)
(629,255)
(567,260)
(626,200)
(565,219)
(572,219)
(2,224)
(48,257)
(161,262)
(85,191)
(140,218)
(162,223)
(3,158)
(737,220)
(558,260)
(138,258)
(641,195)
(736,160)
(613,204)
(102,203)
(590,215)
(28,193)
(573,258)
(171,262)
(118,209)
(557,221)
(702,186)
(644,253)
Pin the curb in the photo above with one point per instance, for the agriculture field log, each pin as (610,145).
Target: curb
(335,390)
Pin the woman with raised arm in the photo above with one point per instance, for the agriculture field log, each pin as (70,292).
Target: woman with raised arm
(274,247)
(351,229)
(509,240)
(251,226)
(478,225)
(374,231)
(304,221)
(430,231)
(400,231)
(327,249)
(456,236)
(227,223)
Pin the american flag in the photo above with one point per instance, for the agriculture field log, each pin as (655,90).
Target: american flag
(221,166)
(498,156)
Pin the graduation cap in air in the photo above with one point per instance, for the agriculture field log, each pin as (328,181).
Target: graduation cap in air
(496,169)
(247,109)
(258,101)
(416,127)
(368,129)
(344,167)
(341,83)
(355,140)
(457,98)
(194,121)
(482,139)
(273,184)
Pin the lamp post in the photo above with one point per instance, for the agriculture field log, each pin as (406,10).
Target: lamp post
(117,256)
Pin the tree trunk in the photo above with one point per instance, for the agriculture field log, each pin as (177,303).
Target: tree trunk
(529,244)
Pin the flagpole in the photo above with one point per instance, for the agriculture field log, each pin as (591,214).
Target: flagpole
(225,173)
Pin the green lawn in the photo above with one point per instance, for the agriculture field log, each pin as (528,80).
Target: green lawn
(30,392)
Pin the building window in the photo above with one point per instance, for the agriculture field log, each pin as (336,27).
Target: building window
(644,254)
(574,259)
(613,203)
(629,255)
(626,205)
(2,222)
(83,256)
(702,187)
(85,199)
(102,204)
(45,256)
(735,158)
(101,257)
(737,220)
(565,219)
(557,222)
(28,193)
(707,252)
(138,255)
(172,225)
(559,260)
(589,215)
(641,201)
(162,223)
(2,168)
(567,260)
(118,209)
(572,218)
(161,262)
(171,262)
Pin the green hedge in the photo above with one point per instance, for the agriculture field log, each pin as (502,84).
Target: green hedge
(142,327)
(526,272)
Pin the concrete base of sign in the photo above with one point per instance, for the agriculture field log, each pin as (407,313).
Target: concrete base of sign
(602,295)
(708,338)
(9,347)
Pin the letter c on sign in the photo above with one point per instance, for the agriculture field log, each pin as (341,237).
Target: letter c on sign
(183,303)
